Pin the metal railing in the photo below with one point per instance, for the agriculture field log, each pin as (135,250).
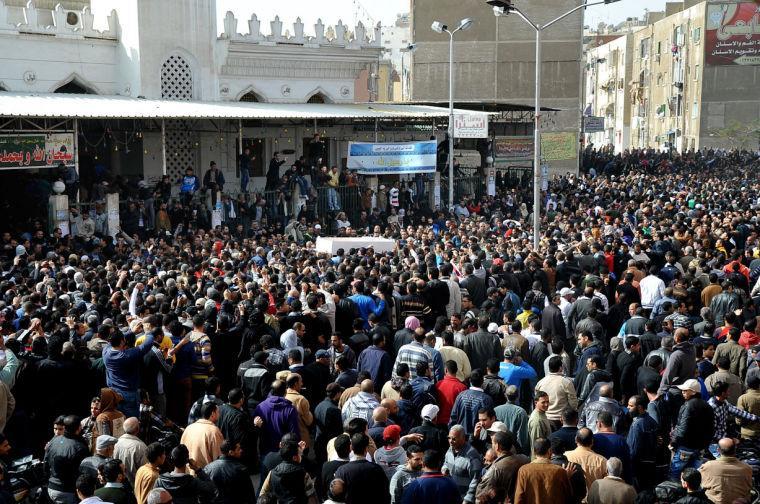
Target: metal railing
(322,207)
(319,205)
(89,206)
(463,186)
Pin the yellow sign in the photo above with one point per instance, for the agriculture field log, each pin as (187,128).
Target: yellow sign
(560,146)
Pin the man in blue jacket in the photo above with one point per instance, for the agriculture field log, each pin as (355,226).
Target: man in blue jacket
(366,304)
(587,347)
(432,487)
(123,370)
(376,361)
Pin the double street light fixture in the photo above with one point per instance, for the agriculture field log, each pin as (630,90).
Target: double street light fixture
(504,8)
(439,27)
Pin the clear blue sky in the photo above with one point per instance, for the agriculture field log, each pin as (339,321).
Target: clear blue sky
(615,13)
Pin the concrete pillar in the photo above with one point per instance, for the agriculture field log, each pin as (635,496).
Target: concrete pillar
(491,181)
(434,193)
(216,211)
(58,211)
(112,211)
(372,184)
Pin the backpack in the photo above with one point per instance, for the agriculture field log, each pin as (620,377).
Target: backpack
(423,398)
(668,492)
(496,389)
(537,299)
(510,304)
(668,273)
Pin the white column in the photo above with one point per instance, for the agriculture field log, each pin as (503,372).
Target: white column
(58,206)
(112,211)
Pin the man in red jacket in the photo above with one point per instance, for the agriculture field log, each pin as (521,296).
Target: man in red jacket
(446,392)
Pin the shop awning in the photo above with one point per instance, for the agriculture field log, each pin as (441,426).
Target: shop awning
(85,106)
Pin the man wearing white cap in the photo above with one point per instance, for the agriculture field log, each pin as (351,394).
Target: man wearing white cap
(434,438)
(566,302)
(694,430)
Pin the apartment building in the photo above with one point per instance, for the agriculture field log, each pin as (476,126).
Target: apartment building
(607,92)
(691,74)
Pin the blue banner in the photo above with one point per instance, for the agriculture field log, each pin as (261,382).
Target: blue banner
(392,158)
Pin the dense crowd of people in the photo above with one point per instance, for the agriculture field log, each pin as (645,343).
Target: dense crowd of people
(619,362)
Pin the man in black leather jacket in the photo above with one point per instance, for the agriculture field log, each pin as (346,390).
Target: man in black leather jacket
(62,458)
(255,378)
(482,345)
(230,476)
(694,429)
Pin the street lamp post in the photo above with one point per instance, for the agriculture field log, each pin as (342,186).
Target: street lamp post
(408,49)
(503,8)
(439,27)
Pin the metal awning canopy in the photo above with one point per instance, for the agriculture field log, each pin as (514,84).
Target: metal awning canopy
(85,106)
(493,106)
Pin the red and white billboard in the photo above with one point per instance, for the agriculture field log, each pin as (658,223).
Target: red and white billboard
(733,34)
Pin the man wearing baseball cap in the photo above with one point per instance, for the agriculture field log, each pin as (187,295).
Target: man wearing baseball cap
(391,455)
(694,430)
(103,451)
(434,437)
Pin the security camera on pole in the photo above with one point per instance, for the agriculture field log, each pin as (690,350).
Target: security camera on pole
(439,27)
(504,8)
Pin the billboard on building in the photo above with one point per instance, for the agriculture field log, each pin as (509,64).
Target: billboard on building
(555,146)
(560,146)
(470,126)
(516,148)
(36,151)
(732,34)
(593,124)
(392,158)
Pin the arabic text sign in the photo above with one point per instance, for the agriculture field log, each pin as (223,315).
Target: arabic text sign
(518,148)
(559,146)
(470,126)
(36,151)
(732,34)
(593,124)
(392,158)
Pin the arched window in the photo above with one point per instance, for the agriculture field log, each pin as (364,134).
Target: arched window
(317,98)
(250,97)
(176,79)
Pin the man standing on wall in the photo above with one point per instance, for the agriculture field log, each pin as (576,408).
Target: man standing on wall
(245,169)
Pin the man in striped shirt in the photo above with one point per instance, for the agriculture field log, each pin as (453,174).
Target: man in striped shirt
(202,367)
(412,354)
(362,404)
